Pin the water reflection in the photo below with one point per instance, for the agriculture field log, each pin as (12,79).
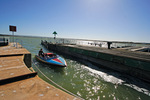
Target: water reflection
(97,81)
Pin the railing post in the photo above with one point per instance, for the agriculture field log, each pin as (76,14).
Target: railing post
(21,43)
(16,44)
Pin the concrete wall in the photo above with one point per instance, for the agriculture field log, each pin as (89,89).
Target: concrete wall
(27,60)
(134,67)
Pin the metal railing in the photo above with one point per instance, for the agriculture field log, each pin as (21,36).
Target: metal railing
(16,44)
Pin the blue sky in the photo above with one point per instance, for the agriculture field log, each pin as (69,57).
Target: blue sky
(111,20)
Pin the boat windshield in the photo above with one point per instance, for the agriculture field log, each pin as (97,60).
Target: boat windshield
(52,55)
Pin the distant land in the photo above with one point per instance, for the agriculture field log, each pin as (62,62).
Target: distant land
(78,39)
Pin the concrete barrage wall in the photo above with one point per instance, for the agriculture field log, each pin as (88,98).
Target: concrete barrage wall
(130,66)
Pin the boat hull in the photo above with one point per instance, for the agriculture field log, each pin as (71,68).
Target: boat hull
(57,61)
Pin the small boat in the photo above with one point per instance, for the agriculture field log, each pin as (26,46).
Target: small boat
(52,59)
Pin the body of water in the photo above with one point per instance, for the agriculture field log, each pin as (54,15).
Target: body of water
(86,80)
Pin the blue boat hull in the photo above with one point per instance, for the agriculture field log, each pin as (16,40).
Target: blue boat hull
(57,61)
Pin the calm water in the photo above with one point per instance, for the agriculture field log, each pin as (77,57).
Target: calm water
(87,80)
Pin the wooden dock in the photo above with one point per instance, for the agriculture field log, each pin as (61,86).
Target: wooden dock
(17,82)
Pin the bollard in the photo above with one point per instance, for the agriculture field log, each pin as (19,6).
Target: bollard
(109,43)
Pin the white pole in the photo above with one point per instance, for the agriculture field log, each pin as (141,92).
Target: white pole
(13,38)
(16,43)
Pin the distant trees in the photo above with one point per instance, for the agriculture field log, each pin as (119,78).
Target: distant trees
(55,33)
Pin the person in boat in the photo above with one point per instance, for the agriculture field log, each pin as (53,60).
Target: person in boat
(41,53)
(46,56)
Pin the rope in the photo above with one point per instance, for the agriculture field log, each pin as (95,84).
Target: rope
(56,83)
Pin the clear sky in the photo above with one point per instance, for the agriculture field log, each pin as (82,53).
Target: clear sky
(112,20)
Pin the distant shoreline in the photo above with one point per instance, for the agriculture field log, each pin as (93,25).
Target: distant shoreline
(78,39)
(19,35)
